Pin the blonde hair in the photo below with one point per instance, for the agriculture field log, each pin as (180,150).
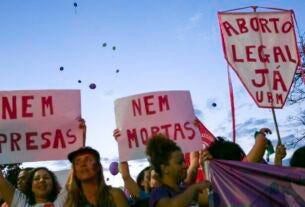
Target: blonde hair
(76,197)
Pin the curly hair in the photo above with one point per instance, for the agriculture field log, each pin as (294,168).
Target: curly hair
(226,150)
(28,186)
(297,159)
(159,149)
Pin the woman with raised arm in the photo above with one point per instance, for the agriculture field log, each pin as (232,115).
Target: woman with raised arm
(226,150)
(41,188)
(139,189)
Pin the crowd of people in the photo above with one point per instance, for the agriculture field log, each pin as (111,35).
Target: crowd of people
(168,181)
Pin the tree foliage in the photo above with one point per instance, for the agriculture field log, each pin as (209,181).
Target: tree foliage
(11,171)
(297,96)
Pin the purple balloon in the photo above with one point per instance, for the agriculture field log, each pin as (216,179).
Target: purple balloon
(92,86)
(114,168)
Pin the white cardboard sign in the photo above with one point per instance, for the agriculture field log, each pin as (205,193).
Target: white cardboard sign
(141,116)
(261,48)
(39,125)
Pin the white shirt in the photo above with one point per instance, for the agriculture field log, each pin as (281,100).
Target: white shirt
(20,200)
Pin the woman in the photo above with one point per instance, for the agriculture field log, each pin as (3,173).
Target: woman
(146,180)
(226,150)
(87,186)
(167,160)
(41,188)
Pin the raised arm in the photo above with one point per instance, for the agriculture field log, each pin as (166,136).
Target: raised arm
(119,197)
(258,150)
(83,127)
(130,184)
(192,170)
(7,189)
(280,153)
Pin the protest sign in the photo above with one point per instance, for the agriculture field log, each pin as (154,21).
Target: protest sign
(141,116)
(39,125)
(261,47)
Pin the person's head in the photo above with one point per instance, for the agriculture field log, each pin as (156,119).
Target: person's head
(143,177)
(86,167)
(166,157)
(148,178)
(41,186)
(154,179)
(22,175)
(297,159)
(86,164)
(226,150)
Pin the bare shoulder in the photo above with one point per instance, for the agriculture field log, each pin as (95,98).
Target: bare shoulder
(119,197)
(116,191)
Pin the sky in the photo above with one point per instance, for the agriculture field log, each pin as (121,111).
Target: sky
(160,45)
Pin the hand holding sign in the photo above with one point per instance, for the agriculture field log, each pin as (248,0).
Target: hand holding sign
(141,116)
(38,125)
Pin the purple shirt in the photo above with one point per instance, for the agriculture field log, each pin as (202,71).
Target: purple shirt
(162,192)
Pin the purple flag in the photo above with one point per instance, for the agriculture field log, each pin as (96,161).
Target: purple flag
(242,184)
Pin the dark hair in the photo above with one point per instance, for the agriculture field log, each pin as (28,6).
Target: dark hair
(159,149)
(28,186)
(297,159)
(226,150)
(84,150)
(140,177)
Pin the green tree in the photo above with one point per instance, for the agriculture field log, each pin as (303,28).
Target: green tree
(11,172)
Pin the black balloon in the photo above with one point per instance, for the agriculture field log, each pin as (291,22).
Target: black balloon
(214,104)
(117,71)
(113,48)
(104,44)
(79,81)
(75,4)
(61,68)
(92,86)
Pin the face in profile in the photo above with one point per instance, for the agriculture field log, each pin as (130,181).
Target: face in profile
(21,180)
(176,167)
(42,184)
(86,167)
(154,179)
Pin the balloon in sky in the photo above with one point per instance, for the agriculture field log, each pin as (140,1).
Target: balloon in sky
(75,4)
(214,104)
(114,168)
(79,81)
(104,44)
(61,68)
(117,71)
(92,86)
(113,48)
